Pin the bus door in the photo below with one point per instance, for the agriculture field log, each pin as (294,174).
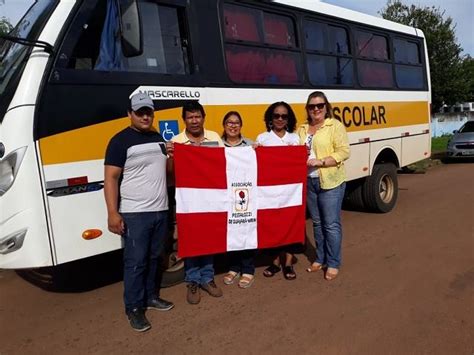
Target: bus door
(85,104)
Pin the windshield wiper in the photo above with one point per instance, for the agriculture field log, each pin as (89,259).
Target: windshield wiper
(27,42)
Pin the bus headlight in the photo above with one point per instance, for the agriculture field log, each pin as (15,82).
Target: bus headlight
(12,242)
(9,167)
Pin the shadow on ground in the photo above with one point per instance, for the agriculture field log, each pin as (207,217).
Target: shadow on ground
(90,273)
(106,269)
(78,276)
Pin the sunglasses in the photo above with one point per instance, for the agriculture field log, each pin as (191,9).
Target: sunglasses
(276,116)
(320,106)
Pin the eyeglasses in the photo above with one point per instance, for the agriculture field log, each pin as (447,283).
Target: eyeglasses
(320,106)
(276,116)
(232,123)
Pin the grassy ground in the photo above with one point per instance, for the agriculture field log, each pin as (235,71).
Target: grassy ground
(438,144)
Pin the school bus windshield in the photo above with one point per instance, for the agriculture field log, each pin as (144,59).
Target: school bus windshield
(13,55)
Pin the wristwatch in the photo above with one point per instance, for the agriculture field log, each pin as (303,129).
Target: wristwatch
(324,162)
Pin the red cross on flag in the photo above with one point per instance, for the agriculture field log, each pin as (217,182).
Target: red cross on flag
(239,198)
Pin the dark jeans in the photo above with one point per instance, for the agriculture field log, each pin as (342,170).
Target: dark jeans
(144,240)
(242,261)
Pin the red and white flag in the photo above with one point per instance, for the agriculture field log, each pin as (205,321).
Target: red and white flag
(239,198)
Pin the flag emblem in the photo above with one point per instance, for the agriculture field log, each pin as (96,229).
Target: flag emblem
(241,200)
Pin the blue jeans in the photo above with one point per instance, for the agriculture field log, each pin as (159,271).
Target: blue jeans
(324,207)
(199,269)
(144,239)
(242,261)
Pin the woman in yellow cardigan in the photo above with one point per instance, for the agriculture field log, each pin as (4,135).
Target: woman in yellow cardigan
(328,146)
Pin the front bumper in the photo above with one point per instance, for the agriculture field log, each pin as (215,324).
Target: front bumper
(461,150)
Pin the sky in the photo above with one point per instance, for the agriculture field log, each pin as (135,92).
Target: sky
(461,11)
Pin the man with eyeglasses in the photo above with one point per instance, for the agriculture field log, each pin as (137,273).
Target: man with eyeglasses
(137,205)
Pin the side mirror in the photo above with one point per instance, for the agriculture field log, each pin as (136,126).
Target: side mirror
(455,131)
(130,28)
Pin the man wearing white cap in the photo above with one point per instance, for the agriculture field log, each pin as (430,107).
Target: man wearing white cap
(137,206)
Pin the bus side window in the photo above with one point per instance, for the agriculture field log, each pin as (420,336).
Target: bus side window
(408,66)
(281,68)
(328,54)
(330,70)
(240,24)
(339,40)
(258,65)
(98,44)
(274,60)
(406,52)
(245,65)
(315,36)
(371,46)
(375,74)
(279,30)
(163,52)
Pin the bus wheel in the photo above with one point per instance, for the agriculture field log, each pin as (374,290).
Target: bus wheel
(174,273)
(380,190)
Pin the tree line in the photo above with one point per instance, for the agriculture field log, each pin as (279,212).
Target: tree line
(452,74)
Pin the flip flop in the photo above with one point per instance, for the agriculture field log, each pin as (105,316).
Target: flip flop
(230,277)
(331,274)
(246,280)
(271,270)
(314,267)
(289,272)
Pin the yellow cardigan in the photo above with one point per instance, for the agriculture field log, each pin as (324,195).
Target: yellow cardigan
(329,140)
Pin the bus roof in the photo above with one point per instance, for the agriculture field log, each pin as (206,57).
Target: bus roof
(341,12)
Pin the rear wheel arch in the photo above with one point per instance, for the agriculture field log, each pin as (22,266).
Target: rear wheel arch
(387,155)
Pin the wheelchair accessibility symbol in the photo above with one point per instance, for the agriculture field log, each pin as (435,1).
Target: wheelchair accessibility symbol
(168,129)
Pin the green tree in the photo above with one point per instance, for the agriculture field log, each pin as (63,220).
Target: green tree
(5,26)
(468,74)
(448,83)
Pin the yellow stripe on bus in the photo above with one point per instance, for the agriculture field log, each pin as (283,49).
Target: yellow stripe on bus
(89,143)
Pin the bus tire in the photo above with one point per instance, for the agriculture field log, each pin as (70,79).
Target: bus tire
(353,198)
(172,277)
(380,190)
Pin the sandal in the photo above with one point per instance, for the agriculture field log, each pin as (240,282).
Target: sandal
(314,267)
(331,274)
(246,280)
(289,272)
(271,270)
(230,277)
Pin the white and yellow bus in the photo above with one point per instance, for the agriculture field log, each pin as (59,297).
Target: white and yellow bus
(68,68)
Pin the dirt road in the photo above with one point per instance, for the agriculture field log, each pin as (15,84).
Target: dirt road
(406,287)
